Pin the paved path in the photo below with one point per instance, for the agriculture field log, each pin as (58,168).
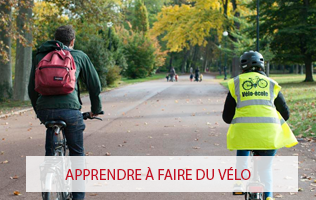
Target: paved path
(155,118)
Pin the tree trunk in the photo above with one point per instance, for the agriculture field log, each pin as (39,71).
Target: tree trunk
(296,69)
(205,59)
(5,62)
(195,55)
(309,69)
(186,55)
(237,15)
(283,69)
(268,69)
(23,62)
(235,67)
(170,61)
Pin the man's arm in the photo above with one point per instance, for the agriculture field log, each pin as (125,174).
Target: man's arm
(281,106)
(229,109)
(33,95)
(91,79)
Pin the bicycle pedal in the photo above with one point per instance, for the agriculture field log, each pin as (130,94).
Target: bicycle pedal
(238,193)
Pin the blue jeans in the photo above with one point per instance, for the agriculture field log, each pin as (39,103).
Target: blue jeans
(73,133)
(265,171)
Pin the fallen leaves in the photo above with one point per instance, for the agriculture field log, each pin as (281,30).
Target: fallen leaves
(278,196)
(107,154)
(89,153)
(17,193)
(4,162)
(196,147)
(14,177)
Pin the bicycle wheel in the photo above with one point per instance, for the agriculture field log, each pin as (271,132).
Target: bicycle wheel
(262,83)
(247,85)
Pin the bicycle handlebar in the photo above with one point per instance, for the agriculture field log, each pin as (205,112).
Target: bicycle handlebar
(86,115)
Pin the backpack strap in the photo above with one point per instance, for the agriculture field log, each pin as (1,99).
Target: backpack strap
(78,85)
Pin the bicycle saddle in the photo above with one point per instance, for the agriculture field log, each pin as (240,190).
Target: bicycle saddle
(50,124)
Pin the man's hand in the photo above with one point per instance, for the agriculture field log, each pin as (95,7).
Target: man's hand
(93,115)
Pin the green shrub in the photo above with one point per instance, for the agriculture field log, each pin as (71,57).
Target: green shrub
(96,50)
(113,74)
(139,53)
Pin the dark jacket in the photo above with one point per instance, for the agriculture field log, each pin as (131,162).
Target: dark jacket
(84,69)
(230,106)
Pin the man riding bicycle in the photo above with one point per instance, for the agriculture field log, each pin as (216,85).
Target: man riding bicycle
(66,107)
(257,111)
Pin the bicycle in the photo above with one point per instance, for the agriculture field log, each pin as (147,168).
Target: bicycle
(254,188)
(248,85)
(57,167)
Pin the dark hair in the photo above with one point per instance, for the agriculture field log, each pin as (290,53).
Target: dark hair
(65,34)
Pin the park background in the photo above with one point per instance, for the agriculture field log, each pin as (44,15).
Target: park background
(137,40)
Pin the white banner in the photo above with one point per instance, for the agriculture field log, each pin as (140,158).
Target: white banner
(161,174)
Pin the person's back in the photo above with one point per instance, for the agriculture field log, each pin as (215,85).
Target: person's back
(66,107)
(172,71)
(257,112)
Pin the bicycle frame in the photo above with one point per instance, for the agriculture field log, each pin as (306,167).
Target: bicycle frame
(56,167)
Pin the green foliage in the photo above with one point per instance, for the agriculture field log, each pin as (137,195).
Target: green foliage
(108,63)
(95,48)
(291,25)
(140,21)
(139,52)
(47,19)
(113,74)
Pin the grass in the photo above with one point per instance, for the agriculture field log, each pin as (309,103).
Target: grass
(8,106)
(301,99)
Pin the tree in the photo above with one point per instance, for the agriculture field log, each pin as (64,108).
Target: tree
(186,25)
(140,21)
(5,54)
(23,62)
(140,57)
(46,19)
(291,25)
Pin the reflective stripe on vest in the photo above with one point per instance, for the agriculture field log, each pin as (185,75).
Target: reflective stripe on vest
(282,121)
(271,120)
(241,104)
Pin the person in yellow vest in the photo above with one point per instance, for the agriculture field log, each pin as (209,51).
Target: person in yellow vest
(256,111)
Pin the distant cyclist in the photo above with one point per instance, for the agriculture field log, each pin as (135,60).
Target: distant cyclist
(65,107)
(257,111)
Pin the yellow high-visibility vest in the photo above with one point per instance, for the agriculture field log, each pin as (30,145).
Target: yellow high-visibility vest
(257,125)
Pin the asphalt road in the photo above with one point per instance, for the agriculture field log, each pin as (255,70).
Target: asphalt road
(155,118)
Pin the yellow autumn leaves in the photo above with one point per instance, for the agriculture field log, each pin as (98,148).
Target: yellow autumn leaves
(184,26)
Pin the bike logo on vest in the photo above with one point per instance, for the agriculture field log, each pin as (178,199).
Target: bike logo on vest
(257,82)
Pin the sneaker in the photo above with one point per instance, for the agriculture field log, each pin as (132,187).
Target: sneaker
(238,187)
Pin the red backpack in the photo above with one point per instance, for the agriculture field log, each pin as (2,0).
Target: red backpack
(55,73)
